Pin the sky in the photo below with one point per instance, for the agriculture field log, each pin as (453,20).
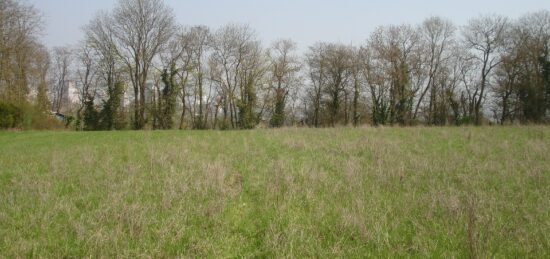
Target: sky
(304,21)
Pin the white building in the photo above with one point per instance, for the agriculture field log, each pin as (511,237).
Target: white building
(69,97)
(71,94)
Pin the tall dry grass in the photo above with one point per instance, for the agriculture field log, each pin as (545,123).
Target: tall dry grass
(370,192)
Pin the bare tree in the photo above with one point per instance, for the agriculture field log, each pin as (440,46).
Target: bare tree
(86,75)
(181,54)
(101,47)
(62,59)
(41,70)
(141,28)
(20,26)
(200,39)
(331,79)
(358,80)
(283,71)
(110,75)
(437,36)
(251,78)
(484,36)
(395,72)
(239,59)
(378,89)
(338,64)
(177,68)
(317,74)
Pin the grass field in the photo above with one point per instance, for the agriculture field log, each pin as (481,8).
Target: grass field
(373,192)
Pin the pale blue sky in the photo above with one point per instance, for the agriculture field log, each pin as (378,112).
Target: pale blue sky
(305,21)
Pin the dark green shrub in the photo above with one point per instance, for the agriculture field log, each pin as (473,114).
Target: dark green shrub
(26,116)
(11,116)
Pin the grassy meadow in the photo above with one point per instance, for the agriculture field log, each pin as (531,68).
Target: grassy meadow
(369,192)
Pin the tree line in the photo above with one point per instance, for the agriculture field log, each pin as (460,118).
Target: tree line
(137,68)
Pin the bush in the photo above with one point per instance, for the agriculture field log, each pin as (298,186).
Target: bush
(45,122)
(11,116)
(26,116)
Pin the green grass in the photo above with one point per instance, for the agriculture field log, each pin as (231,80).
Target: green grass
(376,192)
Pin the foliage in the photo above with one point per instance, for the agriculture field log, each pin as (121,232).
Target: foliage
(491,70)
(109,114)
(26,116)
(109,117)
(248,118)
(92,118)
(11,116)
(278,117)
(168,99)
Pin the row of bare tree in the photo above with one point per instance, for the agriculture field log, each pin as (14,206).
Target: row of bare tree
(492,69)
(136,64)
(211,79)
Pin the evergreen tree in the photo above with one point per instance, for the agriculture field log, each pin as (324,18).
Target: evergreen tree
(247,117)
(111,108)
(278,117)
(168,98)
(91,116)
